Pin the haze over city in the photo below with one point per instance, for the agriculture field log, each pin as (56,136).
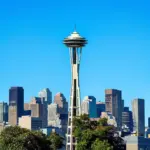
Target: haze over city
(117,54)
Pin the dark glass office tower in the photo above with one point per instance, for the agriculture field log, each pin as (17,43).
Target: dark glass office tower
(127,118)
(3,112)
(149,122)
(16,104)
(100,107)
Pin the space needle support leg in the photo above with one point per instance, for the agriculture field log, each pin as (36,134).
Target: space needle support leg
(75,56)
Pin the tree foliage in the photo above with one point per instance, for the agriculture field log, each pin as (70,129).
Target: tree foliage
(16,138)
(101,145)
(95,135)
(56,141)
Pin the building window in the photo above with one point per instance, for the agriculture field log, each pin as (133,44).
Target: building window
(73,147)
(68,147)
(68,139)
(68,130)
(69,121)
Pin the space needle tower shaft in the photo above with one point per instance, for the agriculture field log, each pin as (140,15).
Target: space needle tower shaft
(75,43)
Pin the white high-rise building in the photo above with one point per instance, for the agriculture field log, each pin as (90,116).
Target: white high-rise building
(53,116)
(46,95)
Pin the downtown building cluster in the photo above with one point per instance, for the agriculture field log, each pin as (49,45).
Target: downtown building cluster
(117,114)
(39,114)
(129,124)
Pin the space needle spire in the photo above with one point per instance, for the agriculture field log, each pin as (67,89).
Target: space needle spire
(75,43)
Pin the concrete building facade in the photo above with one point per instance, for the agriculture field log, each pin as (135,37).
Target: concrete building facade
(137,143)
(53,116)
(138,110)
(110,118)
(62,104)
(31,123)
(114,104)
(37,109)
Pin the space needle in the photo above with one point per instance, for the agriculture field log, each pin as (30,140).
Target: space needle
(74,42)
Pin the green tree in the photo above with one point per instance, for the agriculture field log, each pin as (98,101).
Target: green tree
(56,141)
(16,138)
(94,134)
(101,145)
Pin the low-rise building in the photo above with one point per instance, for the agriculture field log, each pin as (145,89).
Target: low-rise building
(3,125)
(110,118)
(31,123)
(147,133)
(137,143)
(49,130)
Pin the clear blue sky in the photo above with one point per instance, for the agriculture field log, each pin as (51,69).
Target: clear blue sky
(117,55)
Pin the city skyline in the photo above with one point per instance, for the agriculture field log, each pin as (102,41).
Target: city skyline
(117,52)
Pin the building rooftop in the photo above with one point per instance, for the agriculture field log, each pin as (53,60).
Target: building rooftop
(100,102)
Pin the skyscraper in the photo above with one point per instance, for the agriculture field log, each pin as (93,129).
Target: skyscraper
(100,107)
(46,98)
(75,43)
(127,119)
(60,100)
(39,110)
(113,101)
(53,116)
(138,110)
(149,122)
(88,106)
(46,95)
(3,112)
(16,104)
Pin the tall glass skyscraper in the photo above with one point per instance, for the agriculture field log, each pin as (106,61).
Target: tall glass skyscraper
(138,110)
(3,112)
(100,107)
(148,122)
(16,104)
